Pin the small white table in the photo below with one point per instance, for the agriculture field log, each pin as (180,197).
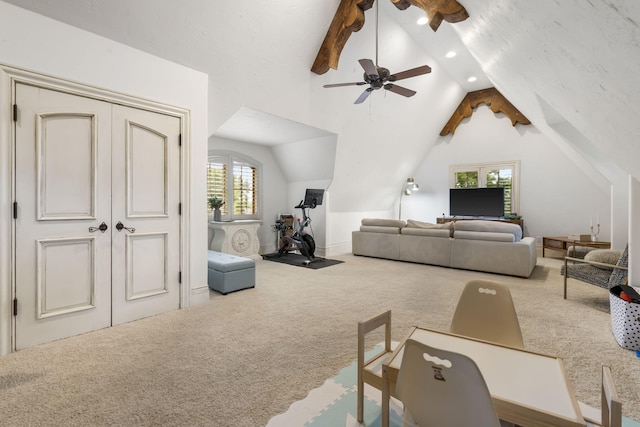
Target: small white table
(235,237)
(528,389)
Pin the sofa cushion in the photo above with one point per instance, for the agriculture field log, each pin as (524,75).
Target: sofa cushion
(419,224)
(380,222)
(484,235)
(380,229)
(434,232)
(489,226)
(606,256)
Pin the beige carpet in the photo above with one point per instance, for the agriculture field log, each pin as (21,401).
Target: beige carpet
(245,357)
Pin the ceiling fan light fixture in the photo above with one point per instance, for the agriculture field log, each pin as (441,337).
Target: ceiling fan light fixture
(380,77)
(472,79)
(450,54)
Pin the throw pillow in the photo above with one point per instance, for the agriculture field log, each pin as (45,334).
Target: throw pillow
(419,224)
(606,256)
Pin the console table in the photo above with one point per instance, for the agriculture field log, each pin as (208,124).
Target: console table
(235,237)
(563,243)
(445,219)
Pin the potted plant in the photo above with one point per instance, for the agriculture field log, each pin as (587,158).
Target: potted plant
(216,203)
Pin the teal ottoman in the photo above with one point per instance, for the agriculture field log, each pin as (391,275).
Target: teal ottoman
(228,273)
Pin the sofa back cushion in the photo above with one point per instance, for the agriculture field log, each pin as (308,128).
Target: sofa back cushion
(488,227)
(433,232)
(484,235)
(380,225)
(412,223)
(380,222)
(380,229)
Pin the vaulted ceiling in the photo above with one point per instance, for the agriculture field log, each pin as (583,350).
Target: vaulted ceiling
(561,63)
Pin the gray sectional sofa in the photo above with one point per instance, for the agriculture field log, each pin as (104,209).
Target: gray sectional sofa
(490,246)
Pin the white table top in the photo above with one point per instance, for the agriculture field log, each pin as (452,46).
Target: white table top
(519,377)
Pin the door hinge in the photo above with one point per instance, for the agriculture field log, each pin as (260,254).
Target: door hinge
(180,277)
(179,208)
(15,210)
(180,140)
(15,112)
(15,306)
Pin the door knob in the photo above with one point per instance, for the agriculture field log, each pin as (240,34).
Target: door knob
(120,226)
(102,227)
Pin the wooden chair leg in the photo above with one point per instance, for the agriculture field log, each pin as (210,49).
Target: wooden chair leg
(360,400)
(565,278)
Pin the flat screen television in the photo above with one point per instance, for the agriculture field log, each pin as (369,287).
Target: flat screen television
(476,202)
(313,197)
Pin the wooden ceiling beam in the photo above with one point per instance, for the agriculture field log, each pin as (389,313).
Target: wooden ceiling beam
(349,18)
(493,98)
(436,10)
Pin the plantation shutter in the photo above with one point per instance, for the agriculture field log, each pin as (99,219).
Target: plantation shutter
(217,182)
(502,177)
(244,189)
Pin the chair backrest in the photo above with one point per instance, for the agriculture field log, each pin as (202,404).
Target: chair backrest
(619,275)
(364,327)
(442,388)
(485,311)
(611,405)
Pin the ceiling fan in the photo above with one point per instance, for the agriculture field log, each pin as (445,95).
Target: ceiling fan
(379,77)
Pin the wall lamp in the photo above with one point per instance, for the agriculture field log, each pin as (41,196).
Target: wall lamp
(409,187)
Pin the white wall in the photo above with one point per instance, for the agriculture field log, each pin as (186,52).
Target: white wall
(556,197)
(39,44)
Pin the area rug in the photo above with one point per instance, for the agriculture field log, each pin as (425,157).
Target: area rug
(299,260)
(335,404)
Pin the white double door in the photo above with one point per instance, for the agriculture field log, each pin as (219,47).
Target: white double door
(97,230)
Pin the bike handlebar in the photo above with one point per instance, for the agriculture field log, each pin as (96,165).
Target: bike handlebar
(302,206)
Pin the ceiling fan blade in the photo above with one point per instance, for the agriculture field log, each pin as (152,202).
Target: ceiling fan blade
(369,67)
(399,90)
(418,71)
(363,96)
(345,84)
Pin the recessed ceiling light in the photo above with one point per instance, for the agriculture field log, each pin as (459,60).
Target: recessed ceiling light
(422,21)
(450,54)
(472,79)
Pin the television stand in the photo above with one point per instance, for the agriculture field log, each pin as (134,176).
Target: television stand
(445,219)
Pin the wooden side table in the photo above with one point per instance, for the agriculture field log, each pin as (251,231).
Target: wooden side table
(563,243)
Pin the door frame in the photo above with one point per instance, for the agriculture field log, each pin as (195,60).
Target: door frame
(9,77)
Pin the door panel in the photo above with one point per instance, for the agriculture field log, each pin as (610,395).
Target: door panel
(146,156)
(147,163)
(57,135)
(59,290)
(146,265)
(63,271)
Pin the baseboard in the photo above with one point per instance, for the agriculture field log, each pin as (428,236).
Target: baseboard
(199,296)
(337,249)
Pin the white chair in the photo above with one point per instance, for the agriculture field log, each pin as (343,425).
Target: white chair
(611,413)
(485,311)
(443,389)
(370,370)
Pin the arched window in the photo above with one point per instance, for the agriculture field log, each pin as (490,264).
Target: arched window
(235,180)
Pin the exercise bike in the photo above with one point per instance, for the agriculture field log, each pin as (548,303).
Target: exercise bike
(300,239)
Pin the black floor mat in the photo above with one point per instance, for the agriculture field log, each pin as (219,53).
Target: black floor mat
(298,260)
